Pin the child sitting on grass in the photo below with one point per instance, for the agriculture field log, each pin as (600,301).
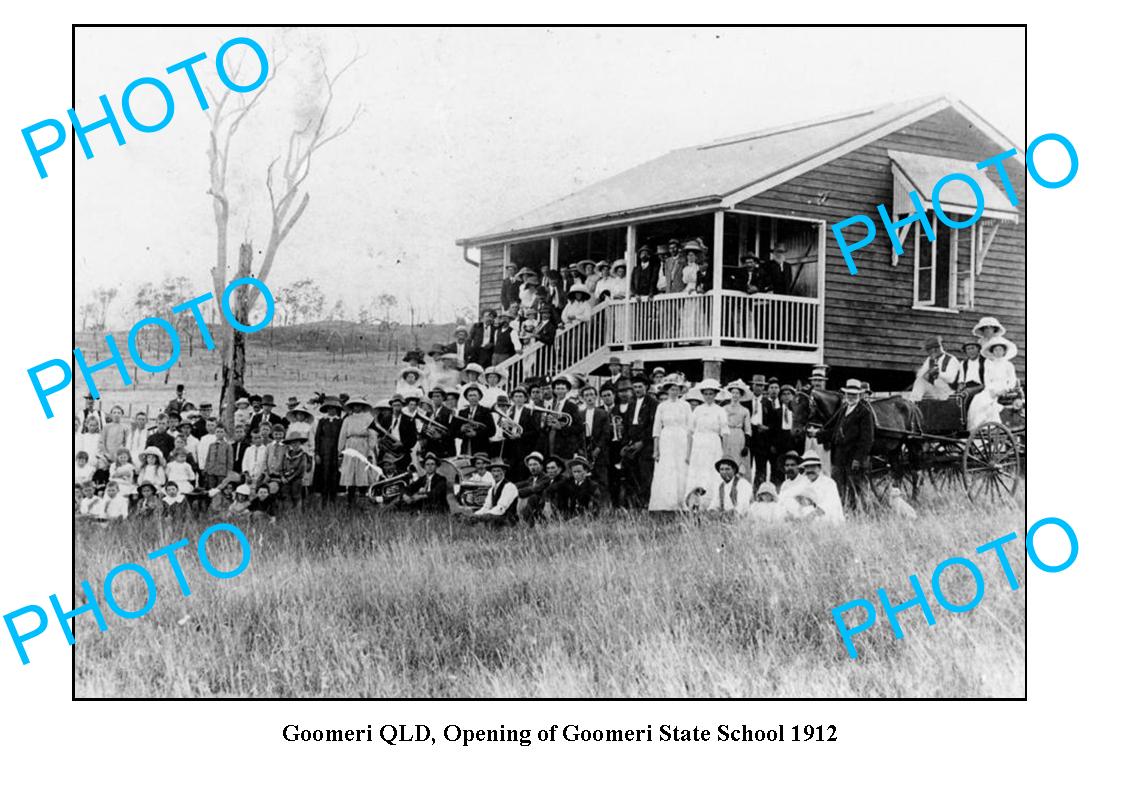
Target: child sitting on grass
(148,505)
(175,504)
(123,473)
(263,505)
(116,503)
(180,472)
(152,467)
(83,468)
(241,505)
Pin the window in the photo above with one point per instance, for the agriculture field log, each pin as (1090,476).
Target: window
(944,268)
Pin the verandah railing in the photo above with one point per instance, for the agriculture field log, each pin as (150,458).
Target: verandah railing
(762,319)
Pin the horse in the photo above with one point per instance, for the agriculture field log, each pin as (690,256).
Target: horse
(896,420)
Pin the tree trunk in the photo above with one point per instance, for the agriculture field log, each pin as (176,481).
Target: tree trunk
(234,342)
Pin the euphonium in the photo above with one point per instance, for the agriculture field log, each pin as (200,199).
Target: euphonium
(510,429)
(557,419)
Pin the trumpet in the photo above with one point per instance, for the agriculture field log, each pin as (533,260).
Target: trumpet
(431,428)
(553,417)
(617,427)
(470,425)
(510,429)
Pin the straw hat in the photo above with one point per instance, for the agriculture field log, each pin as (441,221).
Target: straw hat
(300,409)
(1011,349)
(416,371)
(811,459)
(989,321)
(852,386)
(708,384)
(360,401)
(152,450)
(579,288)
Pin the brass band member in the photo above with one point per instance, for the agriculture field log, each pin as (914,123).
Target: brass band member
(596,433)
(474,426)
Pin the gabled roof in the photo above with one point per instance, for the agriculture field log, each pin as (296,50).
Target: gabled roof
(726,171)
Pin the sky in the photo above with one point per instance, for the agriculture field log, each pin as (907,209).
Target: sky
(461,129)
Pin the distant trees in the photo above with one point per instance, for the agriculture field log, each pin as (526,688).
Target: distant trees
(300,302)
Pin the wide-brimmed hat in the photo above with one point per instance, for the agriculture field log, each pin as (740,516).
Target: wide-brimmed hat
(435,390)
(152,450)
(726,460)
(330,400)
(1011,349)
(810,459)
(579,288)
(524,271)
(852,385)
(520,389)
(359,400)
(295,435)
(619,264)
(140,487)
(299,409)
(708,384)
(579,459)
(766,488)
(989,321)
(975,343)
(498,462)
(532,280)
(243,401)
(693,394)
(476,457)
(568,380)
(416,371)
(474,367)
(477,389)
(414,353)
(494,372)
(738,384)
(558,460)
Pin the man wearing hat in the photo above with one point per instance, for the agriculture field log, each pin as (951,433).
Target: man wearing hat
(849,435)
(501,504)
(793,478)
(733,493)
(937,374)
(818,380)
(645,276)
(615,371)
(972,370)
(267,418)
(474,425)
(673,265)
(325,449)
(174,405)
(442,443)
(532,489)
(509,288)
(784,436)
(780,271)
(637,454)
(460,346)
(557,439)
(516,449)
(199,426)
(505,342)
(482,339)
(579,494)
(427,492)
(818,498)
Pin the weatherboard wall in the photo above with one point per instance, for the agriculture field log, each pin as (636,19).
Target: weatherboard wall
(870,320)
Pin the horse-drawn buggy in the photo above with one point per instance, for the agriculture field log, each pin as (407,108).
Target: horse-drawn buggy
(931,437)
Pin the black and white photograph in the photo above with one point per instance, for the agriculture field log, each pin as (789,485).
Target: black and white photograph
(551,362)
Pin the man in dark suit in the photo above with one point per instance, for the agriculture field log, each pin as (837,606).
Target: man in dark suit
(849,436)
(475,426)
(595,433)
(783,435)
(509,289)
(460,346)
(429,491)
(760,445)
(580,495)
(554,288)
(532,489)
(756,277)
(444,444)
(516,450)
(770,436)
(481,342)
(267,418)
(780,271)
(645,275)
(637,455)
(559,440)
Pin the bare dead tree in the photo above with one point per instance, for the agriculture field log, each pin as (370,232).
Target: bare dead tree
(287,199)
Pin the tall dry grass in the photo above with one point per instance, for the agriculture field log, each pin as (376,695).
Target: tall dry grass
(635,606)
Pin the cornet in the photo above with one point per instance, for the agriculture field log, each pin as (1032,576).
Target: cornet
(554,418)
(617,427)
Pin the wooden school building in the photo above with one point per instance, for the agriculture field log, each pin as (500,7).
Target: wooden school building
(788,184)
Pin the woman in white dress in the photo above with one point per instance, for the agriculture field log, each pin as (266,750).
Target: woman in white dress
(999,378)
(709,426)
(672,450)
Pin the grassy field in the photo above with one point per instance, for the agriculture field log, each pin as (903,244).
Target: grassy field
(636,606)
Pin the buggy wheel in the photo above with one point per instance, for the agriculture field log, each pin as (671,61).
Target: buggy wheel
(990,462)
(882,477)
(942,462)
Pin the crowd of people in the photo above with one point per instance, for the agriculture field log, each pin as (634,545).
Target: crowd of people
(455,438)
(536,302)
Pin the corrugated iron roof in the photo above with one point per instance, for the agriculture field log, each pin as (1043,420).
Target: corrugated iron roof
(708,172)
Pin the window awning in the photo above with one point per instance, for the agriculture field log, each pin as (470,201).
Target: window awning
(920,173)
